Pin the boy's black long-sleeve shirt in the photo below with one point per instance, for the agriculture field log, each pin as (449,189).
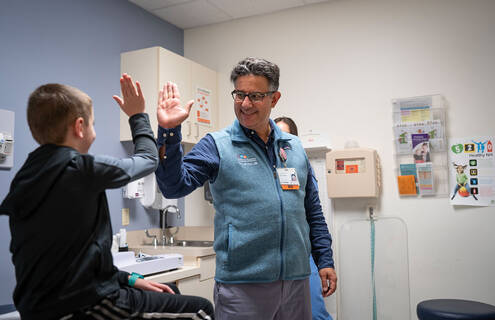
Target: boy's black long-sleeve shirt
(60,224)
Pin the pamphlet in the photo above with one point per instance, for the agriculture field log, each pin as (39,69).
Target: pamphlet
(409,169)
(407,185)
(404,131)
(413,109)
(425,178)
(421,147)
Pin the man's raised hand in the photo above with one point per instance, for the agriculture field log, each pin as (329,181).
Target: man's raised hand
(169,112)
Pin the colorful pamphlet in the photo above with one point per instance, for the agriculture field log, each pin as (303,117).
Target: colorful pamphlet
(414,108)
(421,147)
(407,185)
(409,169)
(425,178)
(403,132)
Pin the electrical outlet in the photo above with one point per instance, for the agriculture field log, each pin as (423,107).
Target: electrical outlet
(125,216)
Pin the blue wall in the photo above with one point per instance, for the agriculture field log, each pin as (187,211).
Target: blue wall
(76,43)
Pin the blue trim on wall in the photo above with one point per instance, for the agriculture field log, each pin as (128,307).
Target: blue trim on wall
(76,43)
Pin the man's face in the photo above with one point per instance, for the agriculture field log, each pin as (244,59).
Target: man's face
(254,115)
(89,133)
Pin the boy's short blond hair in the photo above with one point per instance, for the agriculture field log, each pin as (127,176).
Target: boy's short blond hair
(52,108)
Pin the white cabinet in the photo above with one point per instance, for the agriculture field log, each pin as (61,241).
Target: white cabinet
(195,278)
(194,287)
(153,67)
(200,285)
(198,212)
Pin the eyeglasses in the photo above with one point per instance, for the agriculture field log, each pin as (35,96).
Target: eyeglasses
(239,96)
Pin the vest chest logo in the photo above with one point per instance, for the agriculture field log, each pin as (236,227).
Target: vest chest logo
(247,160)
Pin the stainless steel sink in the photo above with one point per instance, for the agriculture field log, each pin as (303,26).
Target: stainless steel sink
(192,243)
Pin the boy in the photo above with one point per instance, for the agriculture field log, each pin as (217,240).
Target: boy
(60,222)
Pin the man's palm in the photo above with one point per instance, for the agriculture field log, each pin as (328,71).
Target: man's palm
(169,113)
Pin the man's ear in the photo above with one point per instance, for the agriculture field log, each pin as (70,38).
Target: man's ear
(275,96)
(78,127)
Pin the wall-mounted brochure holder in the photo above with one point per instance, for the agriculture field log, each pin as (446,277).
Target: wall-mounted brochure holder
(420,146)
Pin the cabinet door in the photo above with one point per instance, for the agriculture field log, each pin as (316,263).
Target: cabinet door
(197,211)
(153,67)
(142,66)
(193,287)
(177,69)
(204,88)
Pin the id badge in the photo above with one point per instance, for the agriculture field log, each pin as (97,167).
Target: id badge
(288,178)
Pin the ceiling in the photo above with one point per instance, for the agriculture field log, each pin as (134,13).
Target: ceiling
(196,13)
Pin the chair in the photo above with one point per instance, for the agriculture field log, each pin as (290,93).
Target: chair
(447,309)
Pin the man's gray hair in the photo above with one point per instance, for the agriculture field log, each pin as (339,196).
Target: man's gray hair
(257,67)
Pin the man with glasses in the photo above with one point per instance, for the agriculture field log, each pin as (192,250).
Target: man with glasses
(266,223)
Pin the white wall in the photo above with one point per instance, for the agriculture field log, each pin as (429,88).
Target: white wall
(341,64)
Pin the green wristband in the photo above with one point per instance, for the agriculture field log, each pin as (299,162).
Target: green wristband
(132,279)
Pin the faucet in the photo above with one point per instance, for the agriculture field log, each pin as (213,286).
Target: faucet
(164,226)
(155,241)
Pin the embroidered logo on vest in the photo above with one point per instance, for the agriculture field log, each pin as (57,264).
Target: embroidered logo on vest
(247,160)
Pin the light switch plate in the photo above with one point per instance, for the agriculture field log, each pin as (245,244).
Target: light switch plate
(125,216)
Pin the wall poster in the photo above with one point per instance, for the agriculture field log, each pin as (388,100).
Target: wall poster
(472,171)
(203,106)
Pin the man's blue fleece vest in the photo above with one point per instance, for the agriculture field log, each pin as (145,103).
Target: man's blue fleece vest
(261,231)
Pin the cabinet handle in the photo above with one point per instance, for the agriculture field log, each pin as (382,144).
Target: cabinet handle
(188,128)
(197,130)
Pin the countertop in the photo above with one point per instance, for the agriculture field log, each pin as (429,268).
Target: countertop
(192,255)
(187,252)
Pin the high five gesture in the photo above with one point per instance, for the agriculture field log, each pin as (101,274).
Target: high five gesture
(169,112)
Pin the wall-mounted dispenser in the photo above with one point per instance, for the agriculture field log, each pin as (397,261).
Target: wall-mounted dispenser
(6,145)
(353,173)
(134,189)
(148,193)
(6,138)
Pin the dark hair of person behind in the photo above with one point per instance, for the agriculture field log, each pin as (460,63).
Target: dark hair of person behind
(288,121)
(52,108)
(257,67)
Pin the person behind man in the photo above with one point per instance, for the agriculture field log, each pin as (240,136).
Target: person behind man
(60,222)
(266,225)
(318,309)
(286,124)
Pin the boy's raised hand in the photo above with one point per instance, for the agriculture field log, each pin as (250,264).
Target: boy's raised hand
(132,101)
(169,112)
